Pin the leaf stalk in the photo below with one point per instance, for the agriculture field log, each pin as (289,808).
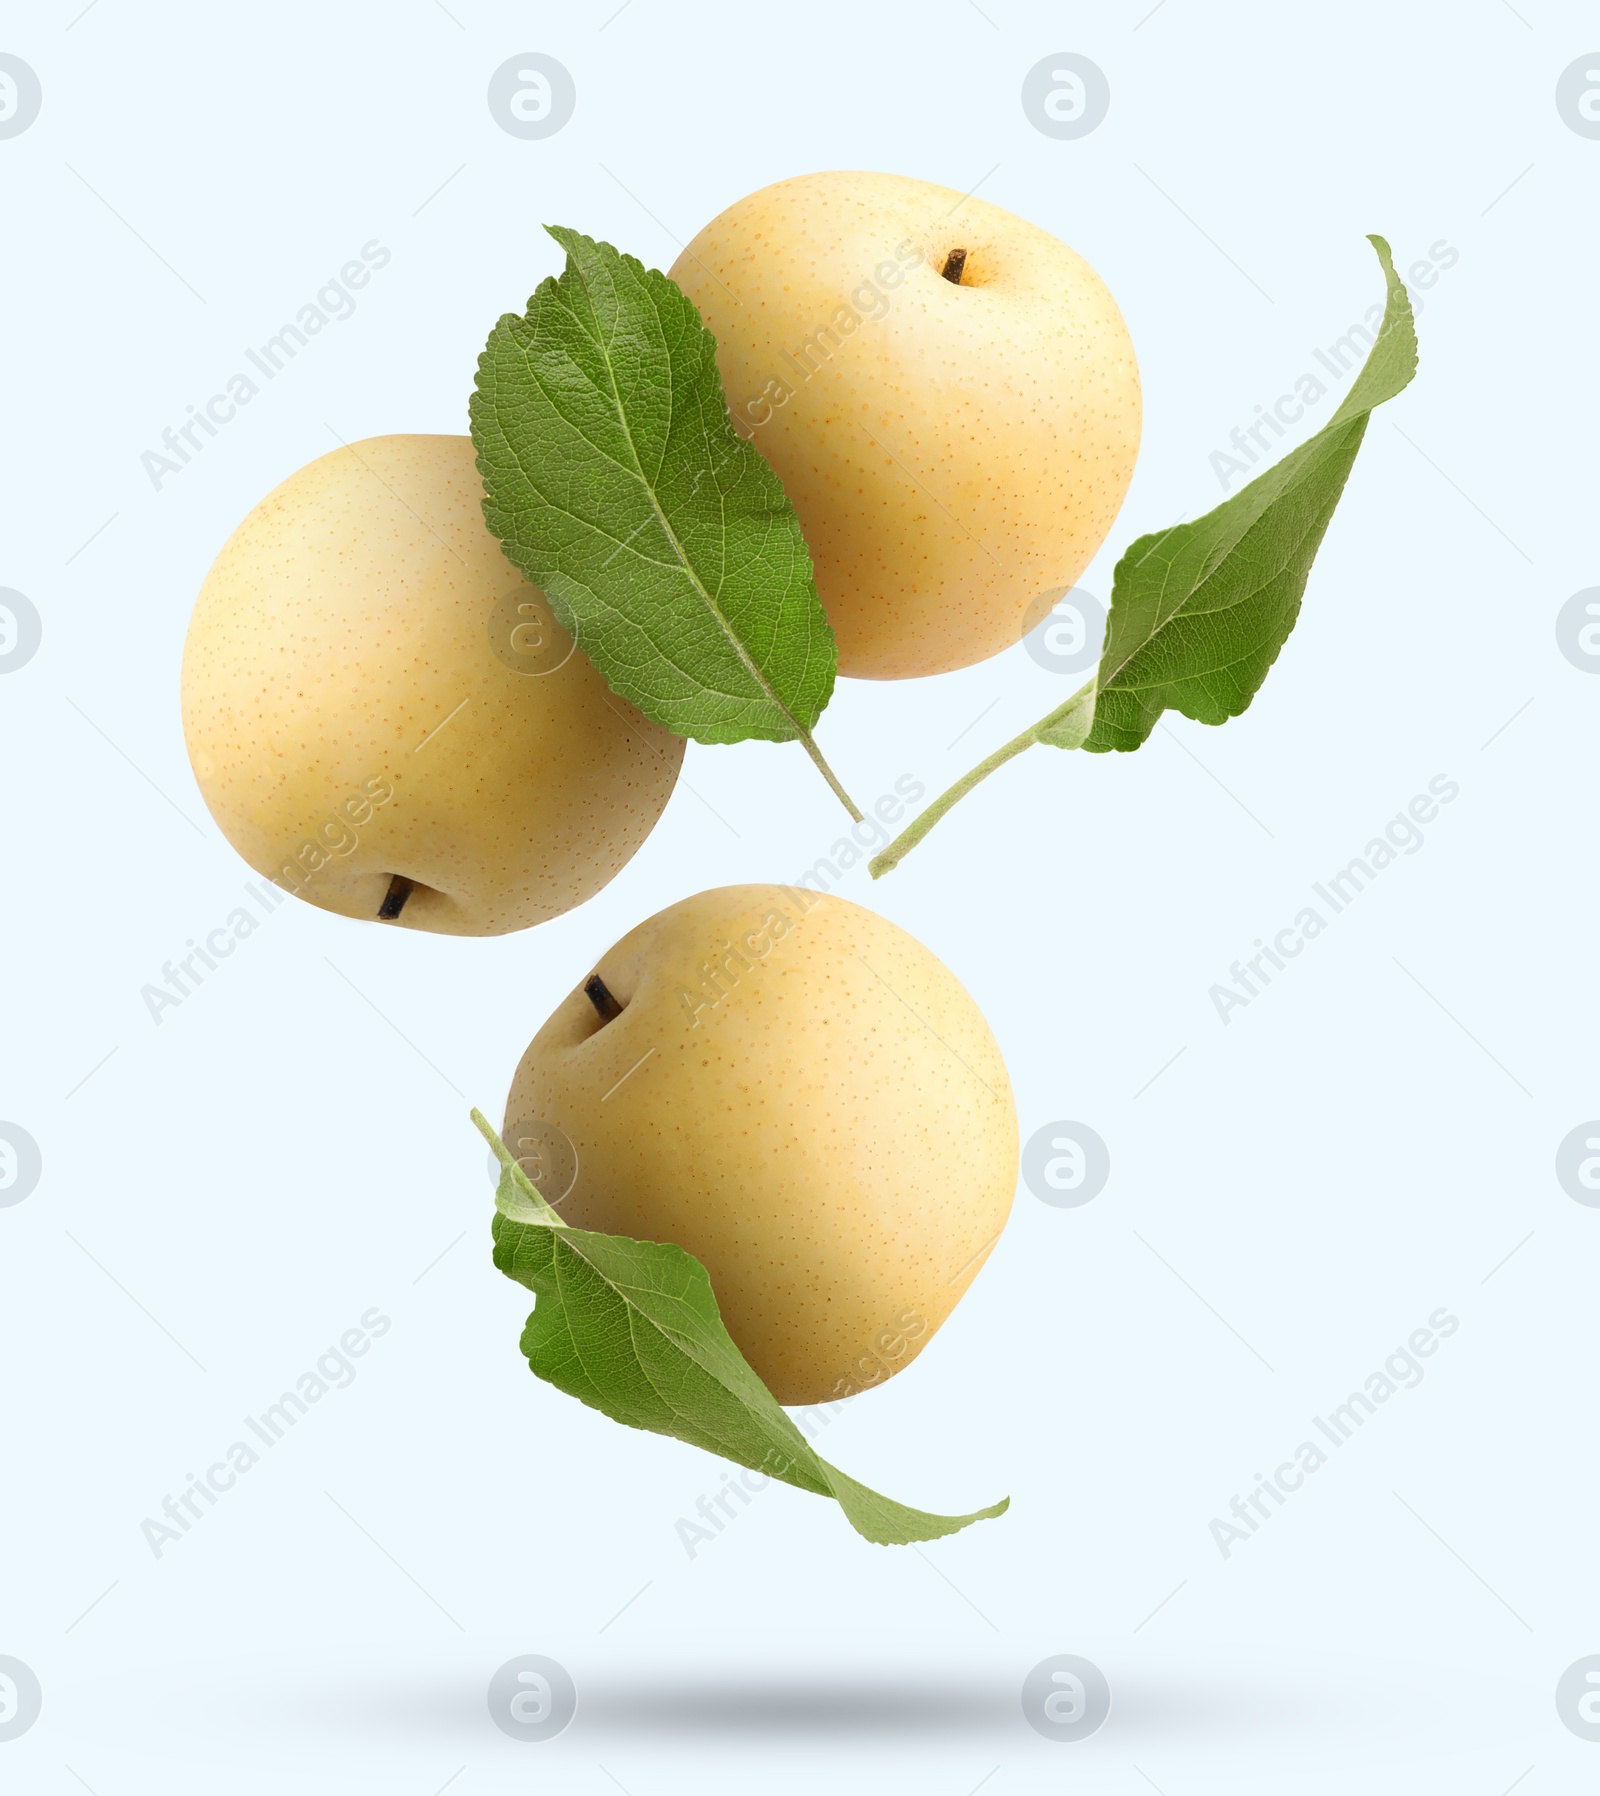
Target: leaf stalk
(810,746)
(919,826)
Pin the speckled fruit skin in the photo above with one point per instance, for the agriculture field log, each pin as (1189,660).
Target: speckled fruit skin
(834,1137)
(954,451)
(345,621)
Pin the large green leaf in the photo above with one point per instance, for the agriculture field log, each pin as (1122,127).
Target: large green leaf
(632,1329)
(1199,613)
(615,480)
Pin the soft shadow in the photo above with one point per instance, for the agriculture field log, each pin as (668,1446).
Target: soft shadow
(632,1705)
(798,1706)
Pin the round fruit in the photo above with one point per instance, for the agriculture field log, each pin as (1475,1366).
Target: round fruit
(386,719)
(802,1096)
(947,392)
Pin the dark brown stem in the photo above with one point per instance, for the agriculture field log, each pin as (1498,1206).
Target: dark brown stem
(599,995)
(953,265)
(394,900)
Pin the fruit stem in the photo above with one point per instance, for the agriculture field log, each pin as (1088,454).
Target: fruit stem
(913,833)
(828,774)
(954,263)
(599,995)
(394,900)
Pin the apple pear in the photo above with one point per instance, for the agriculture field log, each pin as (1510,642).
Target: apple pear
(385,717)
(802,1096)
(947,392)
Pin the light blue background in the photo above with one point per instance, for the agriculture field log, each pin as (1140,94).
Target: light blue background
(291,1147)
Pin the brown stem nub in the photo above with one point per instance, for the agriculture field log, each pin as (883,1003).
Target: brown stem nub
(599,995)
(394,900)
(953,265)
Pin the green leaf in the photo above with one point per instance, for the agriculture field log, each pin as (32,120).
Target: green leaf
(632,1329)
(616,481)
(1200,612)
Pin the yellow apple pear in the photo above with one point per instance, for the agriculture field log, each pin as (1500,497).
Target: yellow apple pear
(947,392)
(385,718)
(802,1096)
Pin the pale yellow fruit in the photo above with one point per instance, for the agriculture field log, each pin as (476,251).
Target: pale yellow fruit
(956,452)
(350,721)
(800,1094)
